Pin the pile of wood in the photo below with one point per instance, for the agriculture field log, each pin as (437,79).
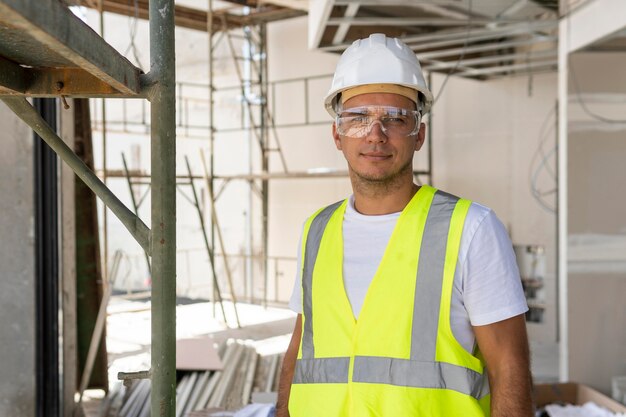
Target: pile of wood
(244,375)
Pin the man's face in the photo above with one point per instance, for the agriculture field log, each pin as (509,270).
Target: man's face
(378,156)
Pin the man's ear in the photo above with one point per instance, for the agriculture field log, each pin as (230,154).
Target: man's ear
(336,137)
(421,137)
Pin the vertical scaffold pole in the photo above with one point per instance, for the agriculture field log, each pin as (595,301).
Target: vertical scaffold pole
(163,156)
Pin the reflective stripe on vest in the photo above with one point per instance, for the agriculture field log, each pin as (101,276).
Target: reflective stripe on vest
(421,370)
(313,241)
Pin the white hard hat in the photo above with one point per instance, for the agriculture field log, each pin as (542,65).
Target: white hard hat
(378,60)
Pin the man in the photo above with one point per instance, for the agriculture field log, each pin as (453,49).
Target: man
(409,299)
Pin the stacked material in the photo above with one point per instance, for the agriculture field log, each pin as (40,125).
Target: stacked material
(231,388)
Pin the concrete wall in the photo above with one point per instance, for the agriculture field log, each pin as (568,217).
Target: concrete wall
(17,268)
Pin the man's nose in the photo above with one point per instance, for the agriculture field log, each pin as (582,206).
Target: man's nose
(376,132)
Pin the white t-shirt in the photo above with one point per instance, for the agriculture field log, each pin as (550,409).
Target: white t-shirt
(487,286)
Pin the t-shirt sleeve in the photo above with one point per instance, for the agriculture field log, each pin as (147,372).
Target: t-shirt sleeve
(492,288)
(295,301)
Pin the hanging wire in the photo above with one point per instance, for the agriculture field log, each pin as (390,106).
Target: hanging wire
(547,128)
(571,71)
(583,105)
(465,45)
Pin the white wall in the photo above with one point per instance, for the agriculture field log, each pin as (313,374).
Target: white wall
(486,137)
(293,200)
(596,222)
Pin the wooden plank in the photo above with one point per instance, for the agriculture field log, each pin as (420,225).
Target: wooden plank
(13,78)
(54,26)
(197,354)
(54,82)
(73,82)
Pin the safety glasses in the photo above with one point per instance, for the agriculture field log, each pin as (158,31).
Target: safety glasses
(357,122)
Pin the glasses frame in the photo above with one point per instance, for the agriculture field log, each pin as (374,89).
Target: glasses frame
(416,113)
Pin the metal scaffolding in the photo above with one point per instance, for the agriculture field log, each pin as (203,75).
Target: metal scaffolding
(46,51)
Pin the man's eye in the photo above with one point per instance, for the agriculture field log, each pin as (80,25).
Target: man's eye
(395,120)
(359,119)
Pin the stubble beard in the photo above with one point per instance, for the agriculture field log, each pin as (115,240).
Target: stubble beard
(378,186)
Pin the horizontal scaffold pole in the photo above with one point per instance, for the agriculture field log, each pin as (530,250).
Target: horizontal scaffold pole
(25,111)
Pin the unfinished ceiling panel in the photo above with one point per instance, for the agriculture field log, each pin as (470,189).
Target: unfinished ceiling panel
(470,38)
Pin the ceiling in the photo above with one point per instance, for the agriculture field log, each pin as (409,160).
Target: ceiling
(471,38)
(479,39)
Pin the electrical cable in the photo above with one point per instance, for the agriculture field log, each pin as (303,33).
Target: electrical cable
(571,71)
(465,45)
(546,128)
(543,134)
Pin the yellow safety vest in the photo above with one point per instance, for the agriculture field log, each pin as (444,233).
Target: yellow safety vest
(400,358)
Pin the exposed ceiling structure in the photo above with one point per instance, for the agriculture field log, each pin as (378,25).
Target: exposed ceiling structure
(471,38)
(226,14)
(480,39)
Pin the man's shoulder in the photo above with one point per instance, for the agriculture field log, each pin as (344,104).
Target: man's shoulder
(478,215)
(477,211)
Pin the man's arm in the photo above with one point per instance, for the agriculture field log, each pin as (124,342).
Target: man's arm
(286,374)
(504,346)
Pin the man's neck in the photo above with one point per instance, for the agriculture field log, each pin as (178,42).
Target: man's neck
(371,199)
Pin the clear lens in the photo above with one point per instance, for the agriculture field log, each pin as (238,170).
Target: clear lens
(357,122)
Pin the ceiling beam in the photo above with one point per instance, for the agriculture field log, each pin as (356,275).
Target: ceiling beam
(290,4)
(508,68)
(343,28)
(531,56)
(469,38)
(514,7)
(458,35)
(405,3)
(484,48)
(440,11)
(414,21)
